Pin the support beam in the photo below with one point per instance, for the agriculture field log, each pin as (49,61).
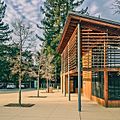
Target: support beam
(61,74)
(106,87)
(61,79)
(68,75)
(105,75)
(79,68)
(64,85)
(64,79)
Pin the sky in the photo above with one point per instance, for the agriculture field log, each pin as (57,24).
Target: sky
(30,10)
(104,8)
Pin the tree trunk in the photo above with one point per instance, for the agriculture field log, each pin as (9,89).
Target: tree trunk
(30,84)
(38,86)
(20,78)
(48,85)
(20,92)
(20,70)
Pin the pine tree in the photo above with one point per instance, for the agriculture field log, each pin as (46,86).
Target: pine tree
(4,45)
(55,12)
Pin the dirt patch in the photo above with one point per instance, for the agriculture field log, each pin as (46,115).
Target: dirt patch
(18,105)
(37,97)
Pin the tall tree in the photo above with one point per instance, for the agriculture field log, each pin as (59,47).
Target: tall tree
(5,48)
(48,69)
(23,39)
(55,12)
(40,58)
(116,7)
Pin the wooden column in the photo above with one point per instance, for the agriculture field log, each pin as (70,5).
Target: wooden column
(105,75)
(64,78)
(61,79)
(106,87)
(61,74)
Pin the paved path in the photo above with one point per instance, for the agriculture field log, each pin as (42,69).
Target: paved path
(53,106)
(5,91)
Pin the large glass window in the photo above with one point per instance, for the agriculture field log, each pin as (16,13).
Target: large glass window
(114,85)
(98,84)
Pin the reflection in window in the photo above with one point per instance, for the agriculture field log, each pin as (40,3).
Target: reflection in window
(98,84)
(114,85)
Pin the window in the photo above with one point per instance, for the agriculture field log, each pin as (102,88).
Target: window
(98,84)
(113,57)
(114,85)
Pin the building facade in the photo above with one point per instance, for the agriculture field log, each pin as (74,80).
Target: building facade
(90,58)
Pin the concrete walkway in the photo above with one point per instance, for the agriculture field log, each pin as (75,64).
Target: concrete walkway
(53,106)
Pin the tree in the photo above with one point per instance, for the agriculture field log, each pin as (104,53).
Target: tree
(48,69)
(5,47)
(41,63)
(55,13)
(116,7)
(23,39)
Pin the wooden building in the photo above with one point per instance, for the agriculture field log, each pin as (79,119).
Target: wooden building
(90,58)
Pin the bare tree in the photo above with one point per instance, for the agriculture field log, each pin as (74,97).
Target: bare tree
(40,59)
(23,38)
(48,69)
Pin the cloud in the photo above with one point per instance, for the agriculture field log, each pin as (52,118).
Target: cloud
(93,8)
(26,9)
(102,8)
(29,10)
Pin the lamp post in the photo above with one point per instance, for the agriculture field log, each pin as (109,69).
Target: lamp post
(79,68)
(68,74)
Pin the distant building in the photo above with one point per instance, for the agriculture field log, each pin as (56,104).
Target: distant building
(98,58)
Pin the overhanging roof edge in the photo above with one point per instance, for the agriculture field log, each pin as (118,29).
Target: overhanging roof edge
(95,18)
(80,16)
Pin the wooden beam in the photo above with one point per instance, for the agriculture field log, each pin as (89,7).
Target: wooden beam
(94,33)
(100,37)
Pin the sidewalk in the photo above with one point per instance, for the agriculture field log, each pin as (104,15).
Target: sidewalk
(53,106)
(93,111)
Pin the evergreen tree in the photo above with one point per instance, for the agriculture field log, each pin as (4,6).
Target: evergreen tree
(55,12)
(5,49)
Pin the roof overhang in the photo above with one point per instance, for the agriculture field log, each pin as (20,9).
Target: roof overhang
(94,23)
